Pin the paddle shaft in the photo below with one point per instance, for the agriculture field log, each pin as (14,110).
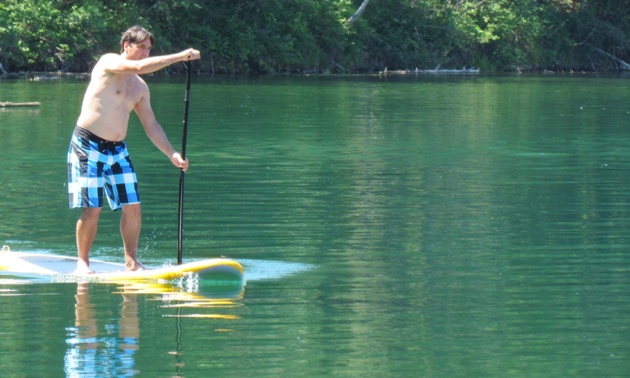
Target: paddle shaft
(180,229)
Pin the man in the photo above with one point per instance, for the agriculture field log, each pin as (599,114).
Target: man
(98,162)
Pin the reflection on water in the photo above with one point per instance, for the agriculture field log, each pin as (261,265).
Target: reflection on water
(109,348)
(106,351)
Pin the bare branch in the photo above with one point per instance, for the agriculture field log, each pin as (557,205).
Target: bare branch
(624,65)
(358,13)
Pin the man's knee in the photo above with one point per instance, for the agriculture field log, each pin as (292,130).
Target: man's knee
(90,213)
(132,210)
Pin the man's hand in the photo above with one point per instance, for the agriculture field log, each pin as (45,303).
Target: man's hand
(190,54)
(177,161)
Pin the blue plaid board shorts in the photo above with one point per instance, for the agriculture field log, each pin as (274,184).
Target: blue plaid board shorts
(97,166)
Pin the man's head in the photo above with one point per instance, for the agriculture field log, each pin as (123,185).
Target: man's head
(136,36)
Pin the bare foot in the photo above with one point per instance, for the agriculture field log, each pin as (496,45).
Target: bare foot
(134,265)
(83,268)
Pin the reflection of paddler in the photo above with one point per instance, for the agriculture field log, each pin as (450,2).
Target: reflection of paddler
(129,323)
(108,355)
(84,318)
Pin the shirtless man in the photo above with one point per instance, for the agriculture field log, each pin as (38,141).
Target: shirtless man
(98,162)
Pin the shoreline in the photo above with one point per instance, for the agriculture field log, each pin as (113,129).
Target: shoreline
(56,75)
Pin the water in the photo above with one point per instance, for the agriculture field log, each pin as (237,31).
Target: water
(431,226)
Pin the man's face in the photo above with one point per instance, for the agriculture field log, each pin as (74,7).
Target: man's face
(138,50)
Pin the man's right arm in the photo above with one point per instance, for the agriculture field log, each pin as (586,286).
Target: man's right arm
(116,64)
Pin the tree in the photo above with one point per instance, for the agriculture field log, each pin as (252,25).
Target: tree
(253,36)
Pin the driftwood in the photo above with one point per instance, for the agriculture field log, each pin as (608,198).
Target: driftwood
(624,65)
(18,104)
(436,70)
(444,70)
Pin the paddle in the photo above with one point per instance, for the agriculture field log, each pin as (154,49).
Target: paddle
(180,230)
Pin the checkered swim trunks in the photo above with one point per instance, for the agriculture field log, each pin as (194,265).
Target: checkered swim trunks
(97,166)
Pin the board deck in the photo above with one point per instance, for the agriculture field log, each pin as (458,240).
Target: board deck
(62,267)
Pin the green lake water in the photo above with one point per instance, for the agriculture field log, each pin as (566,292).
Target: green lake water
(416,226)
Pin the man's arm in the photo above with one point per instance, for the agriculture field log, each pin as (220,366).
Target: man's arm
(155,132)
(116,64)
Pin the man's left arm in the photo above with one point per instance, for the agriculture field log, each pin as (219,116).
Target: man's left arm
(156,133)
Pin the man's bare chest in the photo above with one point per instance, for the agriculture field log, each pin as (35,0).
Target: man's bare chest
(127,91)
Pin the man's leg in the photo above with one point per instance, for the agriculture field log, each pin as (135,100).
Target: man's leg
(87,226)
(130,225)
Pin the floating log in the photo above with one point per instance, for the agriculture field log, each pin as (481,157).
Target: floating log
(436,70)
(17,104)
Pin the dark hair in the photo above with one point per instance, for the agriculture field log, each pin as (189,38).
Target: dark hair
(135,34)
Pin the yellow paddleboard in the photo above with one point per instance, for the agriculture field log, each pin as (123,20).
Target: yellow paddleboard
(43,264)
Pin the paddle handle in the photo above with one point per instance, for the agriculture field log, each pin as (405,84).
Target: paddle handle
(186,106)
(180,228)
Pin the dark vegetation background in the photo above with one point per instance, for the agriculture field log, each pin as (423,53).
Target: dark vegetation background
(297,36)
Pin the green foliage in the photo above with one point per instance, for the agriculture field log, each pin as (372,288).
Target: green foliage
(502,33)
(57,35)
(272,36)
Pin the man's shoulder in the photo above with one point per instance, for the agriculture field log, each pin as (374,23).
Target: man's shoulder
(103,62)
(108,56)
(107,59)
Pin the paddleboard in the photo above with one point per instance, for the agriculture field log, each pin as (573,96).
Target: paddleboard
(62,268)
